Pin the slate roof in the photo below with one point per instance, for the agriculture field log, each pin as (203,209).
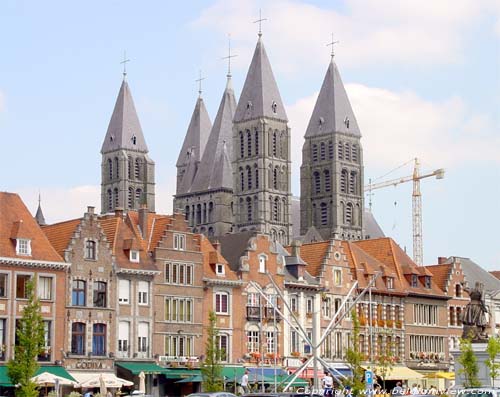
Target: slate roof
(40,219)
(124,125)
(233,246)
(260,96)
(215,170)
(16,221)
(371,227)
(332,109)
(474,273)
(211,257)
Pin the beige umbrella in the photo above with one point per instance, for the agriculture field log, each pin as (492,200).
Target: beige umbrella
(49,380)
(142,383)
(102,386)
(109,379)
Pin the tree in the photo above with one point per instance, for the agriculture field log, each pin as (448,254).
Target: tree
(354,358)
(493,349)
(385,361)
(211,370)
(468,361)
(30,335)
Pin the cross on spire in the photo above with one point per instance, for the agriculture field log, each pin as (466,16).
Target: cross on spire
(124,62)
(229,56)
(260,21)
(199,80)
(332,43)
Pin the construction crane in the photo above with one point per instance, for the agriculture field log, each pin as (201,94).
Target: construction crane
(418,252)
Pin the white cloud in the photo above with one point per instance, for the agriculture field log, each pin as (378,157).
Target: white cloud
(383,31)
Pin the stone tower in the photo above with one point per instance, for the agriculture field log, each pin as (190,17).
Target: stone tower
(261,154)
(127,172)
(331,175)
(207,203)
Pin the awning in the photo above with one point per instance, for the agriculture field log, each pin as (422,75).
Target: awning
(308,373)
(398,373)
(56,370)
(180,373)
(4,378)
(232,373)
(137,367)
(285,379)
(192,379)
(440,375)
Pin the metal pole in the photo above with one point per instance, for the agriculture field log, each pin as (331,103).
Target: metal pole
(275,340)
(314,345)
(371,321)
(261,347)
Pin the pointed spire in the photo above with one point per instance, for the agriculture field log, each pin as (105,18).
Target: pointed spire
(214,170)
(333,111)
(260,96)
(124,130)
(40,219)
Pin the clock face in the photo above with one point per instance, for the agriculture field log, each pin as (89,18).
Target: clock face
(337,256)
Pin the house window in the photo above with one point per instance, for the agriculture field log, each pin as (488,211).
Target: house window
(252,341)
(23,246)
(221,303)
(219,269)
(326,307)
(143,337)
(78,338)
(294,342)
(414,280)
(134,256)
(390,282)
(143,295)
(270,342)
(45,355)
(179,273)
(427,280)
(3,285)
(124,292)
(3,337)
(458,290)
(90,250)
(309,305)
(100,292)
(78,293)
(99,340)
(21,284)
(223,345)
(294,303)
(178,346)
(123,337)
(262,264)
(337,277)
(179,310)
(179,241)
(44,288)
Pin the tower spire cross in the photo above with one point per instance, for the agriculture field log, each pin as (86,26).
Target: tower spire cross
(199,80)
(331,44)
(124,62)
(260,20)
(229,56)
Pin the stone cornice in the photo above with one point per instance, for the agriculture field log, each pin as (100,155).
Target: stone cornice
(34,263)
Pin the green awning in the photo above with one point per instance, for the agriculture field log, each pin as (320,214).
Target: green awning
(232,373)
(4,378)
(137,367)
(284,379)
(192,379)
(180,373)
(55,370)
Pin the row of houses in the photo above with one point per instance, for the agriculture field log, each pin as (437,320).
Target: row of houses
(131,292)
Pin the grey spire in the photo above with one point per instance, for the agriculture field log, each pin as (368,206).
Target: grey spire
(215,170)
(40,219)
(260,96)
(333,111)
(196,136)
(124,130)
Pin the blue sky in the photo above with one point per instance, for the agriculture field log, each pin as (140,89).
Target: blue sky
(423,79)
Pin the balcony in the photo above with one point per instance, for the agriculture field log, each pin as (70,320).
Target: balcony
(271,314)
(253,313)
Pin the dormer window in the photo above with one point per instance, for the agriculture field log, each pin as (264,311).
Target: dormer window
(219,269)
(249,105)
(427,281)
(134,256)
(274,106)
(346,122)
(414,280)
(262,264)
(23,246)
(390,282)
(134,140)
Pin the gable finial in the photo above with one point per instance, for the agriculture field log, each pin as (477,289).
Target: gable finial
(260,21)
(229,56)
(199,80)
(332,43)
(124,62)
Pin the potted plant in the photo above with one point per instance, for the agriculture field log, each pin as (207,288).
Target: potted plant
(390,323)
(381,323)
(399,324)
(295,354)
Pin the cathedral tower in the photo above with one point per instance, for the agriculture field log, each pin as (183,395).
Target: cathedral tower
(331,175)
(127,172)
(261,154)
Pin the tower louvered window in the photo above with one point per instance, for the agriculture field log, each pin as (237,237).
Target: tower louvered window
(324,214)
(276,209)
(138,196)
(249,209)
(284,179)
(256,170)
(275,144)
(130,198)
(352,183)
(249,144)
(343,181)
(110,169)
(322,151)
(256,143)
(314,152)
(137,168)
(340,150)
(328,185)
(283,145)
(117,168)
(249,178)
(115,198)
(110,200)
(242,145)
(242,179)
(275,178)
(129,167)
(317,183)
(348,214)
(355,153)
(347,151)
(330,150)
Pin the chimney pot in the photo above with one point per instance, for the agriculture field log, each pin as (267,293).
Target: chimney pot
(119,211)
(441,260)
(296,248)
(90,209)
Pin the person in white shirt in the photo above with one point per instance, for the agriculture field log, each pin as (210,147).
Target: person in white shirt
(328,385)
(244,382)
(414,389)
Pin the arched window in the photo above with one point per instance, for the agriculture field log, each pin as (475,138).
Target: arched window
(343,181)
(256,142)
(355,153)
(110,200)
(137,168)
(256,206)
(278,204)
(322,151)
(249,209)
(275,178)
(242,210)
(352,183)
(256,171)
(283,145)
(129,167)
(242,145)
(284,178)
(340,150)
(284,208)
(342,211)
(210,212)
(198,214)
(186,213)
(130,198)
(115,198)
(275,209)
(211,232)
(242,179)
(110,169)
(117,168)
(249,143)
(317,182)
(328,184)
(204,213)
(347,151)
(324,214)
(330,150)
(348,214)
(138,196)
(275,143)
(249,177)
(314,152)
(314,215)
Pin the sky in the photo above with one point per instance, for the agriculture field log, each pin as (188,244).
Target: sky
(422,77)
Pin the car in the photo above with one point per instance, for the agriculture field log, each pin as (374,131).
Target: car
(213,394)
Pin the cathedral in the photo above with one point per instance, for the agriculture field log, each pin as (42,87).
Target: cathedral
(235,175)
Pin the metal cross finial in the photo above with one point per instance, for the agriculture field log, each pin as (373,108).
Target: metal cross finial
(332,43)
(199,80)
(260,21)
(229,56)
(124,62)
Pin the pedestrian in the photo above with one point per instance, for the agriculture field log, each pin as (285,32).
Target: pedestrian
(328,385)
(244,382)
(347,391)
(398,390)
(414,389)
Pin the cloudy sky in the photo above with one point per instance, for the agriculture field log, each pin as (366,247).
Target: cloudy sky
(422,76)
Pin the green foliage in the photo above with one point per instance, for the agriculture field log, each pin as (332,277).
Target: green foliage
(354,358)
(74,394)
(31,340)
(493,349)
(385,362)
(469,366)
(211,370)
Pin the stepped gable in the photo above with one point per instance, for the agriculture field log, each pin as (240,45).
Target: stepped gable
(211,257)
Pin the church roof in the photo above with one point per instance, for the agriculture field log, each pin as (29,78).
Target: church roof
(40,219)
(260,96)
(371,226)
(215,170)
(124,130)
(196,135)
(333,111)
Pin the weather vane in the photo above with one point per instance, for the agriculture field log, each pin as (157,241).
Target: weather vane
(229,56)
(332,43)
(260,21)
(199,80)
(124,62)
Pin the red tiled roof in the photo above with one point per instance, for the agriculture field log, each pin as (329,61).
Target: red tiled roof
(210,257)
(496,273)
(314,255)
(59,234)
(441,274)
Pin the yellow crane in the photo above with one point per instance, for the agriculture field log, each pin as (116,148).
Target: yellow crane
(418,251)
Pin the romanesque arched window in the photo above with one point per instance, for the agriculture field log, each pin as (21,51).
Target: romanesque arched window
(129,167)
(130,198)
(110,169)
(317,182)
(117,168)
(352,182)
(256,142)
(343,181)
(249,209)
(242,145)
(314,215)
(186,213)
(249,177)
(110,200)
(210,231)
(284,208)
(138,197)
(275,143)
(242,179)
(210,211)
(330,150)
(256,206)
(256,171)
(340,150)
(242,210)
(328,184)
(322,151)
(314,153)
(284,178)
(276,209)
(283,145)
(116,198)
(324,214)
(348,214)
(249,143)
(347,151)
(275,178)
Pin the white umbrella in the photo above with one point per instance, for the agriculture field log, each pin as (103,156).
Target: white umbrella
(48,379)
(110,381)
(142,383)
(102,386)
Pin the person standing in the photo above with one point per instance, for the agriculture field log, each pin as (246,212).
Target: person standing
(244,382)
(328,385)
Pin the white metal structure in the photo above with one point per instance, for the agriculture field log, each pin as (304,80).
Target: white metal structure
(418,251)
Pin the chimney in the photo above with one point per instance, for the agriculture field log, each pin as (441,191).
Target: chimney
(216,245)
(442,260)
(90,209)
(296,248)
(143,220)
(119,212)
